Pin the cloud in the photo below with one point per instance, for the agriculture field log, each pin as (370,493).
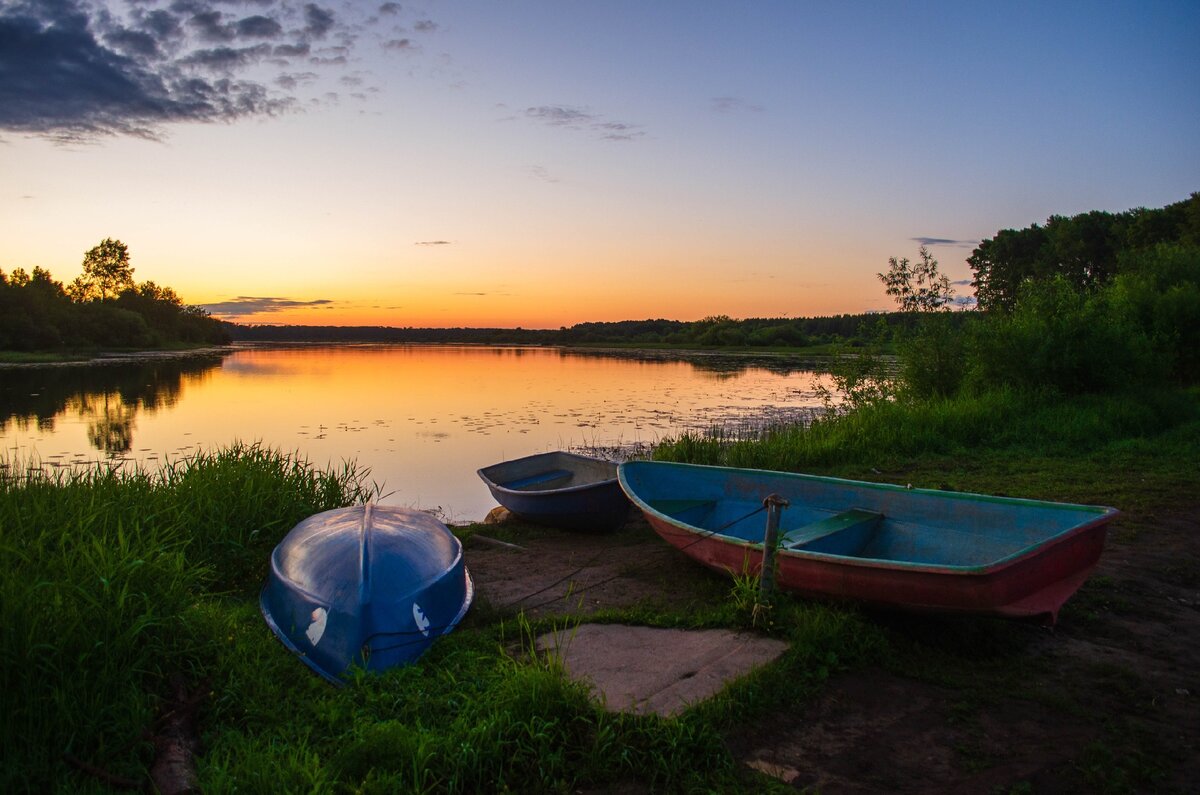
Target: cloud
(76,70)
(319,21)
(962,283)
(258,27)
(481,295)
(432,243)
(250,305)
(734,105)
(541,173)
(579,119)
(942,241)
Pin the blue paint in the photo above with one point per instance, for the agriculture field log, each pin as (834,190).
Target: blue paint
(371,586)
(560,489)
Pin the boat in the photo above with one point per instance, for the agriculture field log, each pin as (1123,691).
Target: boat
(560,489)
(894,546)
(369,585)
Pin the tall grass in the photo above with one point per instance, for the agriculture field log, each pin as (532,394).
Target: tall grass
(118,582)
(103,572)
(887,431)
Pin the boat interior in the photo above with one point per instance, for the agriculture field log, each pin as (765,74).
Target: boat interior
(870,533)
(549,471)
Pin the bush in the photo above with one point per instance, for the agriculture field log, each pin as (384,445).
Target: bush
(1065,340)
(933,359)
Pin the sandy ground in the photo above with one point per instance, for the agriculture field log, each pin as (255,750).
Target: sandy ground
(1120,672)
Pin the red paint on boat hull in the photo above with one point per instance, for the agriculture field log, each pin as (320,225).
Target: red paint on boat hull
(1034,585)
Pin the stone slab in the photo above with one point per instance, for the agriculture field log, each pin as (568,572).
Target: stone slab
(646,669)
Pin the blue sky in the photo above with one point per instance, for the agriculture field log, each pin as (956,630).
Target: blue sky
(542,164)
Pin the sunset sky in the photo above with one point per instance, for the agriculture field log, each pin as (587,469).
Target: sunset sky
(541,164)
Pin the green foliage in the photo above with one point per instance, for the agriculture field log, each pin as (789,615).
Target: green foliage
(862,376)
(1086,250)
(103,308)
(1063,339)
(917,287)
(933,358)
(104,574)
(888,431)
(1160,288)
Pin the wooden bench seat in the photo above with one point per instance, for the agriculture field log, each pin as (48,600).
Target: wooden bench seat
(541,479)
(854,519)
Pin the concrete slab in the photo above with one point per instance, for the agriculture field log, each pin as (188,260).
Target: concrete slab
(644,669)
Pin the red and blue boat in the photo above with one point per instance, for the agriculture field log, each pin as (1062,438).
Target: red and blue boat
(894,546)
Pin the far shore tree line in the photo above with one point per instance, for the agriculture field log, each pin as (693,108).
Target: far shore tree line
(103,308)
(1086,301)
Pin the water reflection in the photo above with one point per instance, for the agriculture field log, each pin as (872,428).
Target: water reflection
(107,398)
(422,418)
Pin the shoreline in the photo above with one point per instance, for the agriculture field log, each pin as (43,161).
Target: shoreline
(645,353)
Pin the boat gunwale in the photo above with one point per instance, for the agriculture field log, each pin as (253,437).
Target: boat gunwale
(491,484)
(1104,514)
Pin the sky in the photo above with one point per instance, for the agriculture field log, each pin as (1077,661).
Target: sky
(540,164)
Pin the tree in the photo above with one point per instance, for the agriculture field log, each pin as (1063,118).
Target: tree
(917,287)
(106,272)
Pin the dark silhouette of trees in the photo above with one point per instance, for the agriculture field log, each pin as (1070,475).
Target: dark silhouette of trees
(103,308)
(106,272)
(917,287)
(1085,250)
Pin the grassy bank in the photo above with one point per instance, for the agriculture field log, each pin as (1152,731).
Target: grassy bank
(118,585)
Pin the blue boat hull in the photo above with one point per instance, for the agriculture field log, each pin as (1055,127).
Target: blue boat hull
(561,490)
(369,586)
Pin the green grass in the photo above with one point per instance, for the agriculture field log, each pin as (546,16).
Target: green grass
(117,581)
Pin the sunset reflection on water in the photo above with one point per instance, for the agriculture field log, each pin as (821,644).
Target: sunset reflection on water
(423,418)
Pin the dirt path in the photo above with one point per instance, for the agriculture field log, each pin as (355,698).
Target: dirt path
(1108,701)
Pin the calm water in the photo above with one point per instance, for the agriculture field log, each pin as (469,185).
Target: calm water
(422,418)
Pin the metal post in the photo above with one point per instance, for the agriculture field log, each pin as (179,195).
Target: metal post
(766,578)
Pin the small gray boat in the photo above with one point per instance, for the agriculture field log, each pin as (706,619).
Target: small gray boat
(558,489)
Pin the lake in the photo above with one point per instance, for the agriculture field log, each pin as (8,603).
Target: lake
(422,418)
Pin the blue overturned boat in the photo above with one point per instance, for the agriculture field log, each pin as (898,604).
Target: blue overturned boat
(370,585)
(560,489)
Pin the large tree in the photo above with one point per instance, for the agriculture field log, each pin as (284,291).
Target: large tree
(106,272)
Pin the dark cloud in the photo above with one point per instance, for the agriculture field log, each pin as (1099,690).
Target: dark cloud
(962,283)
(432,243)
(258,27)
(318,21)
(398,44)
(228,59)
(577,119)
(425,26)
(734,105)
(210,28)
(250,305)
(133,43)
(543,174)
(942,241)
(389,8)
(291,50)
(76,69)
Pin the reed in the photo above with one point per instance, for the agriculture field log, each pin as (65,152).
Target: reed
(887,431)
